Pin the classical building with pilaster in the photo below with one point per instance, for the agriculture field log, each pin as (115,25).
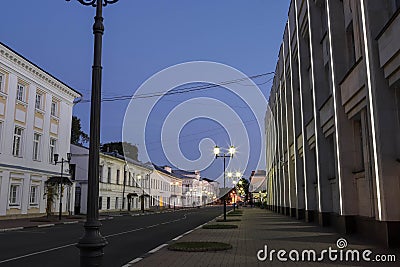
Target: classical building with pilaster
(335,101)
(35,124)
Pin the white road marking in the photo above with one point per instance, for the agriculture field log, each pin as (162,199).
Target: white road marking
(73,244)
(46,225)
(11,229)
(125,232)
(73,222)
(37,253)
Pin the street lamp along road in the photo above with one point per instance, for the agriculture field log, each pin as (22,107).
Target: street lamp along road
(61,177)
(92,243)
(231,152)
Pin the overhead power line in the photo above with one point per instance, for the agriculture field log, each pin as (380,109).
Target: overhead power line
(182,90)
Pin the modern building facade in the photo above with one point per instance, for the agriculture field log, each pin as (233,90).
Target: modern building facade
(35,124)
(335,100)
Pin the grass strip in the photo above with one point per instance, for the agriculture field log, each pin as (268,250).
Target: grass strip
(199,246)
(220,226)
(228,220)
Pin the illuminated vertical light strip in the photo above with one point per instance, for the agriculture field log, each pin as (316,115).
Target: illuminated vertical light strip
(372,108)
(287,125)
(281,144)
(293,115)
(301,110)
(314,108)
(339,165)
(273,157)
(279,181)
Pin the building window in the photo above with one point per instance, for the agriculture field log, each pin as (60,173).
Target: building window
(2,89)
(36,146)
(54,108)
(351,48)
(72,171)
(109,175)
(108,202)
(53,147)
(33,195)
(20,92)
(14,195)
(17,143)
(101,173)
(118,176)
(39,101)
(100,203)
(116,203)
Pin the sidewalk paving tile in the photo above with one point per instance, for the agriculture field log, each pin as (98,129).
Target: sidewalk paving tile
(257,228)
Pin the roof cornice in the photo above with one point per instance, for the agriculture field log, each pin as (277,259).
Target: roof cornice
(30,67)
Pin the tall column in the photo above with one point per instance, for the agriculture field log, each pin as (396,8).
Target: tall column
(292,192)
(343,127)
(296,116)
(4,188)
(309,165)
(319,88)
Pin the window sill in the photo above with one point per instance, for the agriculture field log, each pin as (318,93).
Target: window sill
(55,117)
(3,95)
(33,205)
(22,103)
(14,206)
(38,110)
(17,156)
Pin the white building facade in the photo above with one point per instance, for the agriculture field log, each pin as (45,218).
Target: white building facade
(166,188)
(35,124)
(123,184)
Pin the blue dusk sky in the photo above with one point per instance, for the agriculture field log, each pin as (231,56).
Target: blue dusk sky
(143,38)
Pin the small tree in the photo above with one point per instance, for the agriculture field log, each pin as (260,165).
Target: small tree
(78,137)
(123,148)
(50,195)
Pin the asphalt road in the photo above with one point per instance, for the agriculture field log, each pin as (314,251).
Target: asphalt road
(128,237)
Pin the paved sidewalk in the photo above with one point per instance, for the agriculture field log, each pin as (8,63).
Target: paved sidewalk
(16,224)
(259,227)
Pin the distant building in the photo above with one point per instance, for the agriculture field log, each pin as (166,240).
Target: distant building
(123,183)
(336,105)
(166,188)
(35,124)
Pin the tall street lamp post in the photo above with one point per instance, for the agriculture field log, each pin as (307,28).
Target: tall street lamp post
(61,177)
(92,243)
(143,183)
(174,185)
(230,154)
(237,176)
(123,188)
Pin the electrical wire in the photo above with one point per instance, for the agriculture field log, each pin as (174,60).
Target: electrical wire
(180,91)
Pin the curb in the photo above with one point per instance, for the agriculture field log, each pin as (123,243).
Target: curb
(37,226)
(75,222)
